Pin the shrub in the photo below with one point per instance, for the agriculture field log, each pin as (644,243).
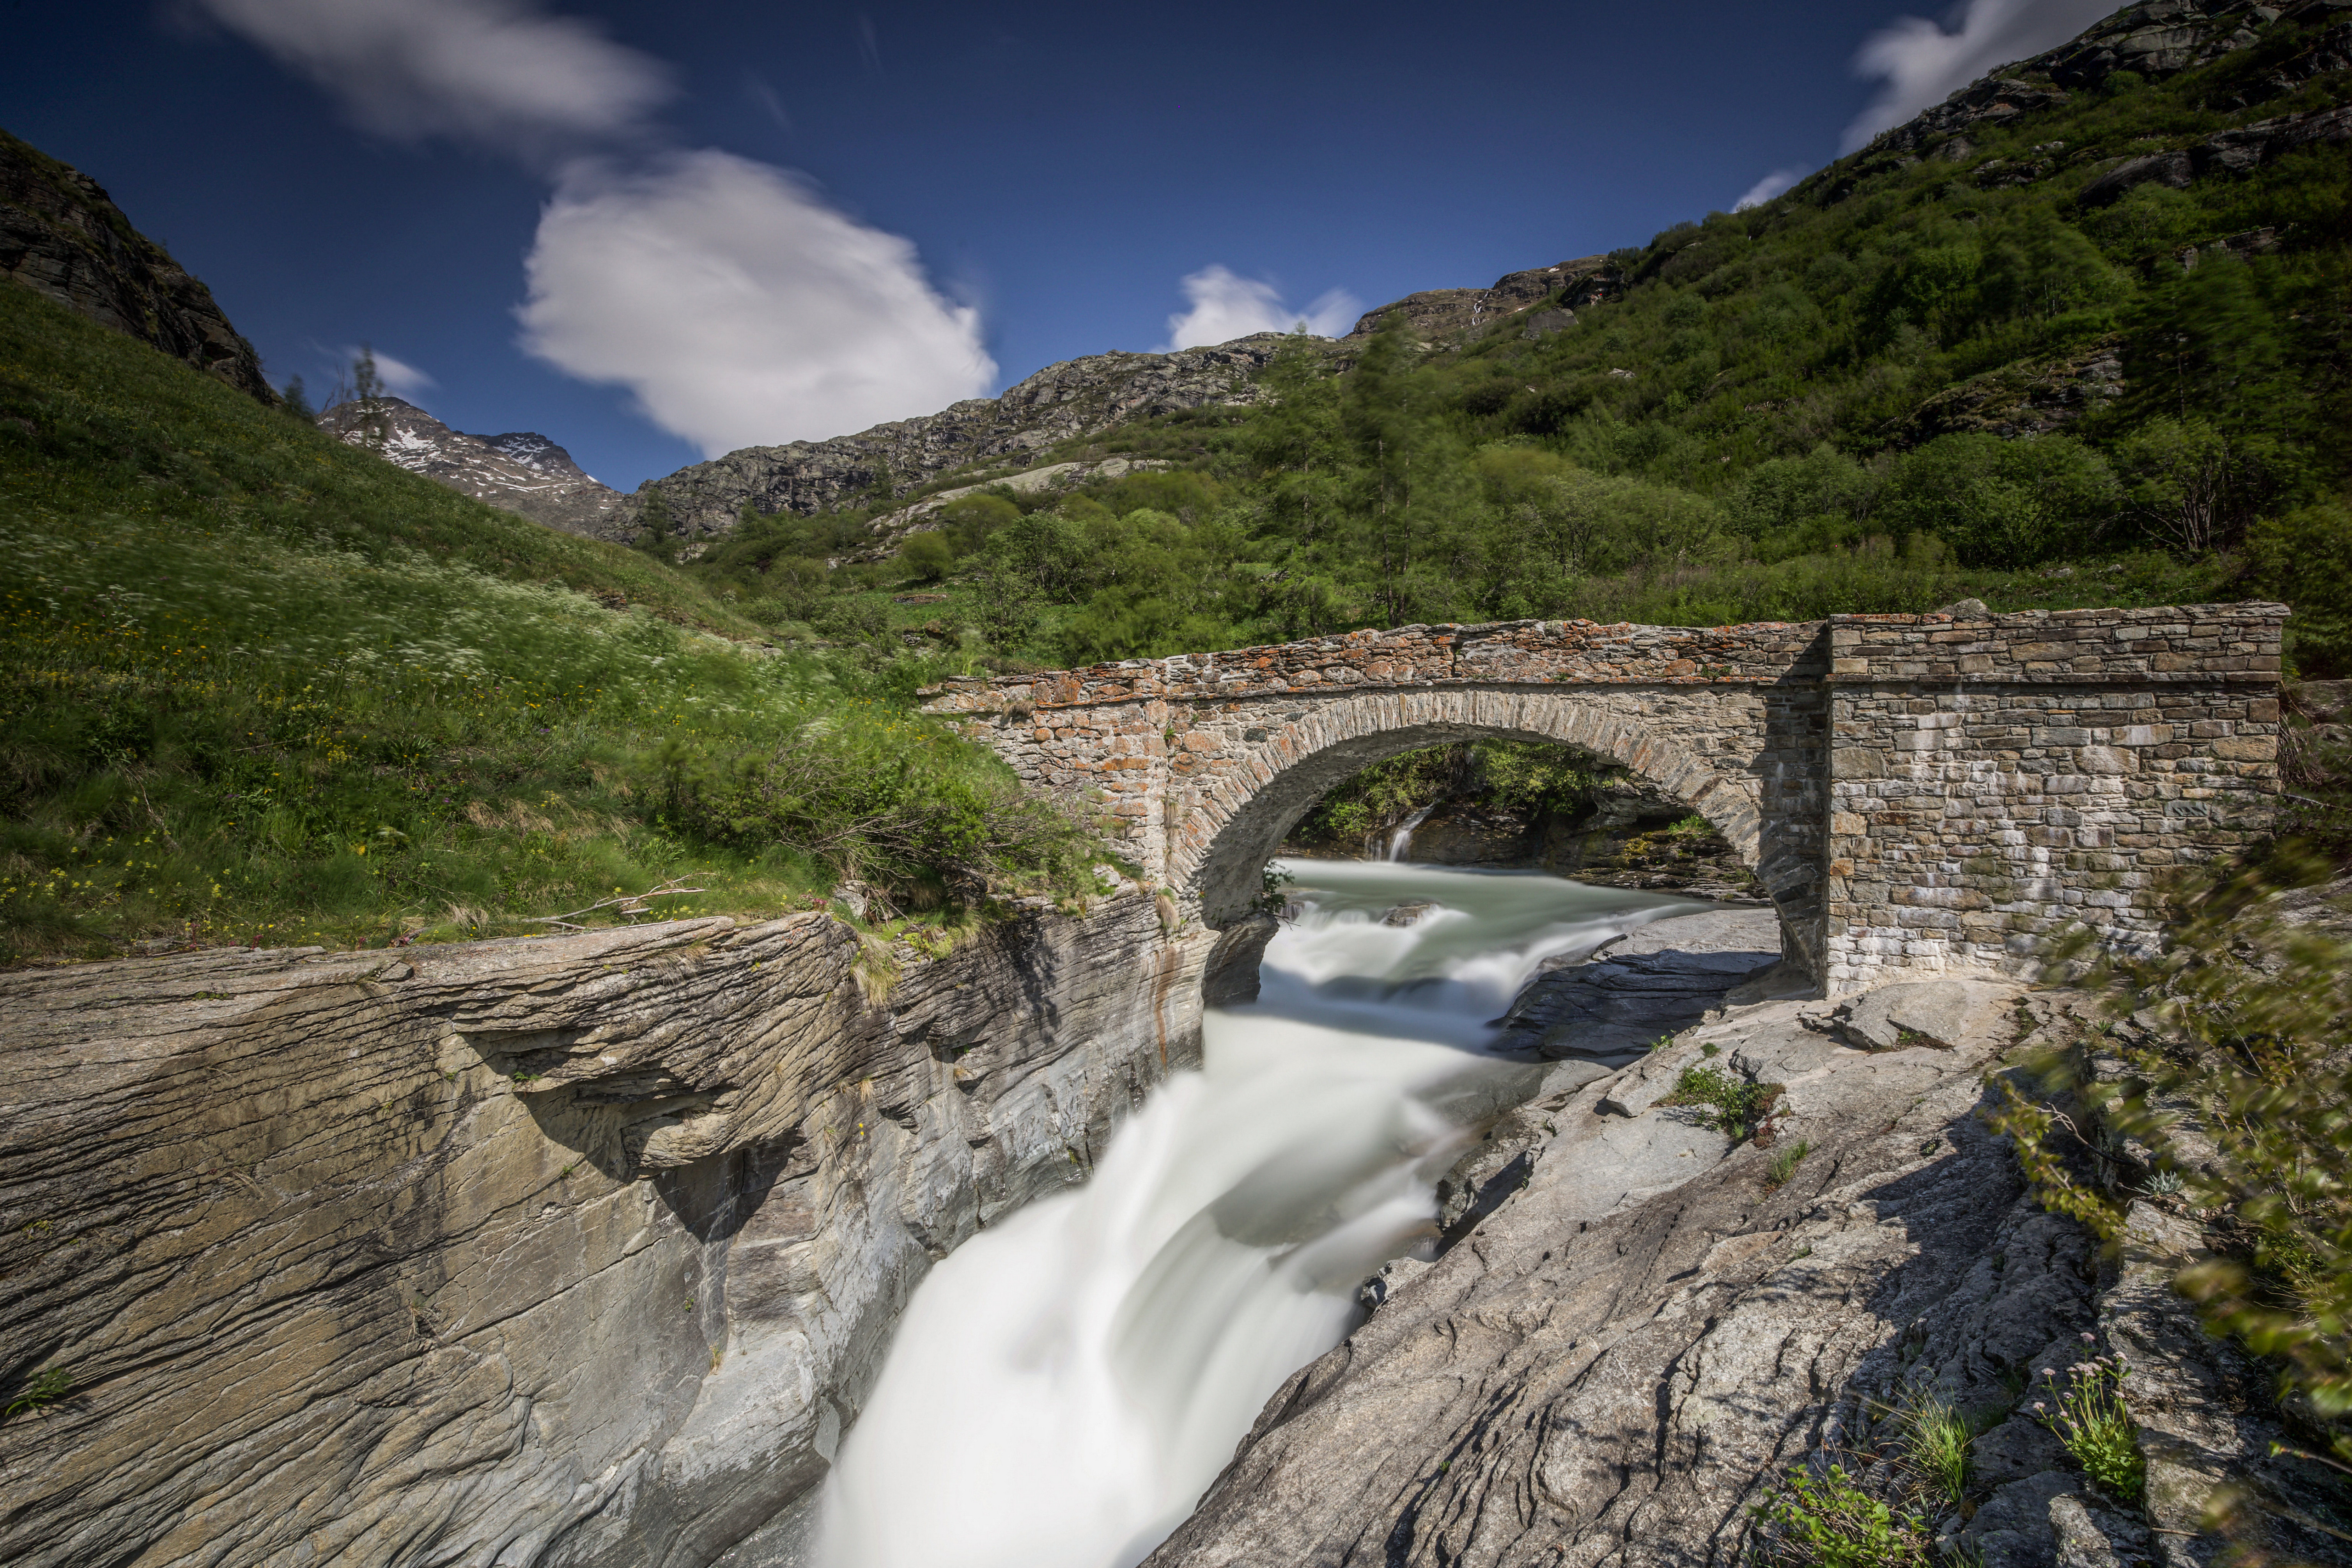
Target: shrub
(927,557)
(1827,1521)
(2247,1100)
(1935,1435)
(1732,1106)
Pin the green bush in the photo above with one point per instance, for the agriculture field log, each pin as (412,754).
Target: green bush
(1826,1520)
(1725,1104)
(2244,1107)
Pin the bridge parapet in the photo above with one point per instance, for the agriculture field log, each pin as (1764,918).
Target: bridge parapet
(1922,793)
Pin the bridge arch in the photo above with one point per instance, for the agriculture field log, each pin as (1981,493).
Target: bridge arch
(1229,828)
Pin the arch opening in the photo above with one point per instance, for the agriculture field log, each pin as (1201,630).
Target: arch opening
(1221,842)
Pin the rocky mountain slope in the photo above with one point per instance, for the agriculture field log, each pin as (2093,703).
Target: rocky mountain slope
(61,235)
(1438,314)
(521,471)
(1076,397)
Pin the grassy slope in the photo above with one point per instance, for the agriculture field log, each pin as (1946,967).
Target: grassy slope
(258,686)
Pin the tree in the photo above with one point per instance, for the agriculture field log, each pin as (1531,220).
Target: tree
(928,556)
(659,537)
(298,402)
(2193,484)
(367,391)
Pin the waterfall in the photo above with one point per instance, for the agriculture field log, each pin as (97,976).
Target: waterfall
(1063,1387)
(1402,839)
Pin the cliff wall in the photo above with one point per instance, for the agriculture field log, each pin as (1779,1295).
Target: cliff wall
(576,1251)
(62,235)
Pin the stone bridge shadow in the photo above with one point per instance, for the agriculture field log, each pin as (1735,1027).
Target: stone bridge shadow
(1938,793)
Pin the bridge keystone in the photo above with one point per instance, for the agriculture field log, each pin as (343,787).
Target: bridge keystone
(1918,794)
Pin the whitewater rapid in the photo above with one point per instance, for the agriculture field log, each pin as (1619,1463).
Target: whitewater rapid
(1064,1386)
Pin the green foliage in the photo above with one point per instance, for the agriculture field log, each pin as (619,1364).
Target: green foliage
(1724,1103)
(1526,776)
(1934,1435)
(2086,1409)
(258,686)
(2245,1111)
(2004,503)
(927,557)
(1826,1520)
(39,1392)
(878,795)
(2307,552)
(1783,1165)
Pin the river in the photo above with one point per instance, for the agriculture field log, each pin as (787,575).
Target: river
(1064,1386)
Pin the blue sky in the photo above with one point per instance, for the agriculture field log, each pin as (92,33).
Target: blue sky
(771,219)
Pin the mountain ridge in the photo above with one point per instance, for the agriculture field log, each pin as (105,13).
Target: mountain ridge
(521,471)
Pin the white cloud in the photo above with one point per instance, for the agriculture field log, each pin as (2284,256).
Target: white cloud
(1226,306)
(737,307)
(1770,185)
(400,378)
(1920,65)
(498,72)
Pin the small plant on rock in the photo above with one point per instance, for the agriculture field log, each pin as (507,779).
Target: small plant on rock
(2086,1410)
(1732,1106)
(1827,1521)
(1784,1165)
(1936,1435)
(40,1391)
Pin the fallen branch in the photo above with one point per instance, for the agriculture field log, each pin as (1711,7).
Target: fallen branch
(628,905)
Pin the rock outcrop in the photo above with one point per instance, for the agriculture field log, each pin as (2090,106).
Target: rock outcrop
(521,472)
(62,235)
(568,1251)
(1076,397)
(1616,1364)
(1453,315)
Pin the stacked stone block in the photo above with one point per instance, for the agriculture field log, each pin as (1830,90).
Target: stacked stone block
(1998,781)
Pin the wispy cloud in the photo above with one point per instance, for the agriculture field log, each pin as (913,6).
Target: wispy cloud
(495,72)
(735,303)
(1920,63)
(1223,305)
(737,307)
(400,378)
(1770,185)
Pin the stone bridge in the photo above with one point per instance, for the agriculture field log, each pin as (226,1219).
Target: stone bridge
(1927,793)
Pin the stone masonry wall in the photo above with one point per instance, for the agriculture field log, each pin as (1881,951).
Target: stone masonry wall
(1995,782)
(1995,778)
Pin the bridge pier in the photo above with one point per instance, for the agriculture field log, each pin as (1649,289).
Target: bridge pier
(1922,794)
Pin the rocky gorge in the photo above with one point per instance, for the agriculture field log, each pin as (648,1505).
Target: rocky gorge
(586,1250)
(568,1250)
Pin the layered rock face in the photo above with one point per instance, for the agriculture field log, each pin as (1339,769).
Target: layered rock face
(521,472)
(61,235)
(576,1251)
(1076,397)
